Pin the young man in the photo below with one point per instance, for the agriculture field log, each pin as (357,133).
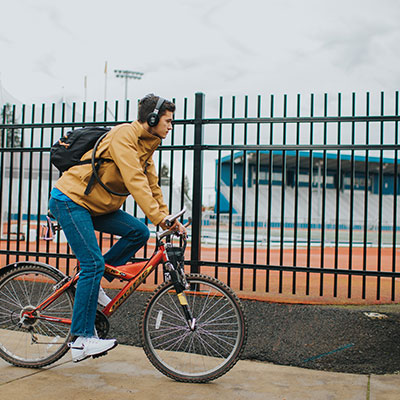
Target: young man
(130,148)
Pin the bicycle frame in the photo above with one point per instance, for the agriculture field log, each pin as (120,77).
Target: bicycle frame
(133,273)
(134,281)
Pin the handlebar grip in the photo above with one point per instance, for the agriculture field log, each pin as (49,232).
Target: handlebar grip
(169,221)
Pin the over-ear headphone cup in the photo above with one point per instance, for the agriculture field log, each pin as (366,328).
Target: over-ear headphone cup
(153,119)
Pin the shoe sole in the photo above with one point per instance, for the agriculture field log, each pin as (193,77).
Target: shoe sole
(80,359)
(97,355)
(104,353)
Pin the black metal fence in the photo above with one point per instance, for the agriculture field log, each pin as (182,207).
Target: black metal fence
(287,197)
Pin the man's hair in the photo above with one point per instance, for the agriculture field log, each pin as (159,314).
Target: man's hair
(148,104)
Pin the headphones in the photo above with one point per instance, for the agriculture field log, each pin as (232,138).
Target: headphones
(153,118)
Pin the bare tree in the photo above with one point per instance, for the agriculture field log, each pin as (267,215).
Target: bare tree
(10,137)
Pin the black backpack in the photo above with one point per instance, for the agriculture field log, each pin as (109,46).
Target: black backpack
(70,148)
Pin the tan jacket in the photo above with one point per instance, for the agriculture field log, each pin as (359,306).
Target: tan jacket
(130,147)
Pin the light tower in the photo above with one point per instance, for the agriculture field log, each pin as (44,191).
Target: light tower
(126,74)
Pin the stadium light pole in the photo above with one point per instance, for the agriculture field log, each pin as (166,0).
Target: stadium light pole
(126,74)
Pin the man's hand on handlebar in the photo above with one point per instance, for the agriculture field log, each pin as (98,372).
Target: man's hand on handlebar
(175,227)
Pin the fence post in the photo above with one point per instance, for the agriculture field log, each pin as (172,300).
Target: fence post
(197,183)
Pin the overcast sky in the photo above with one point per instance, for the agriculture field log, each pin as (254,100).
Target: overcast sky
(220,47)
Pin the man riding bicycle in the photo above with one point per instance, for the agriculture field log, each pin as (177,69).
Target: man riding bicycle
(130,148)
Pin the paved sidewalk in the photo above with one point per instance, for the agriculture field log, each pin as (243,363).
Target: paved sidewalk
(125,373)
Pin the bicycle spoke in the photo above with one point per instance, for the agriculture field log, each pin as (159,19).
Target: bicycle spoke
(179,317)
(215,305)
(207,351)
(53,328)
(7,302)
(32,341)
(177,308)
(205,344)
(169,344)
(22,288)
(219,339)
(217,319)
(14,295)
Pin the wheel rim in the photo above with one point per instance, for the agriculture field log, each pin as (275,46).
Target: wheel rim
(34,340)
(210,347)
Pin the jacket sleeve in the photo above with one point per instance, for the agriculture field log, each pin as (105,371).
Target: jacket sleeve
(155,188)
(124,152)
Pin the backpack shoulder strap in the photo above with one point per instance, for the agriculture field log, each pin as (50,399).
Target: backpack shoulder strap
(96,163)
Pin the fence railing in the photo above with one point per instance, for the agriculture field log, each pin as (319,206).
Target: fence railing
(288,200)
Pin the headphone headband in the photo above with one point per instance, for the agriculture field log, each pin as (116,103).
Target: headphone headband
(159,104)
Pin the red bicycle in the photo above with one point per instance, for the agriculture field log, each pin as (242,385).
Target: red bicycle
(193,327)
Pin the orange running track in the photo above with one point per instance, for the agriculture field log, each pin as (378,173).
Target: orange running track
(274,286)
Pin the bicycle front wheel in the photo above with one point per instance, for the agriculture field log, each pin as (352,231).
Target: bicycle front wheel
(208,351)
(32,342)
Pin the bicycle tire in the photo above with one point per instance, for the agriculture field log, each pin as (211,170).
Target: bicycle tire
(209,351)
(24,287)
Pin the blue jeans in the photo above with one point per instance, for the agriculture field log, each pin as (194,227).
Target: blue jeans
(79,228)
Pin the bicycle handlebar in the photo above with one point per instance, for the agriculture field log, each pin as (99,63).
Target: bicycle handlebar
(169,222)
(171,219)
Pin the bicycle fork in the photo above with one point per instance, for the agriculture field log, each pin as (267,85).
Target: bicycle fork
(179,288)
(186,310)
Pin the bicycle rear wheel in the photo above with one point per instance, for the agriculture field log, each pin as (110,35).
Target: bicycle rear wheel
(205,353)
(34,342)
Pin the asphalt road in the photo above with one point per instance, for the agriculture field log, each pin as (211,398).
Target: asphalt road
(356,339)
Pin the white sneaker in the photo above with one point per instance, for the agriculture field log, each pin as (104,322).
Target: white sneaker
(84,347)
(103,299)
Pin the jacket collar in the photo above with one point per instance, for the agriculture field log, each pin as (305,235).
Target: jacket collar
(146,136)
